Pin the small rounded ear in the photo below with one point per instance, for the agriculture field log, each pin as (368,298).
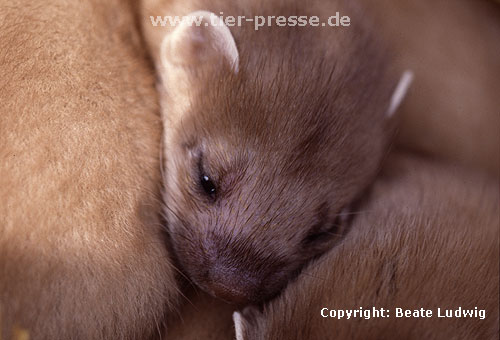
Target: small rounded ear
(200,45)
(400,92)
(199,40)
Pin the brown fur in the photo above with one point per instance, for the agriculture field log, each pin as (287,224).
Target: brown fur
(286,155)
(201,317)
(428,237)
(82,254)
(453,108)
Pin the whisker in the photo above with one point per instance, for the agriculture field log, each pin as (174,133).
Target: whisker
(313,276)
(350,213)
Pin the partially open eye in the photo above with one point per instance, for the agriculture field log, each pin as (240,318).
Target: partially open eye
(208,186)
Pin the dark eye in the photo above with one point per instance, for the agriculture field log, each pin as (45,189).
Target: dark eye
(206,182)
(208,186)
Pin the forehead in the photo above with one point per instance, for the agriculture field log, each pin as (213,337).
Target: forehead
(256,102)
(260,164)
(261,131)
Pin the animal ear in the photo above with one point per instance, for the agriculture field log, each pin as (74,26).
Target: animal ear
(400,92)
(201,40)
(200,45)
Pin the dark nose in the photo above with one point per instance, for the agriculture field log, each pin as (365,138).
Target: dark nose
(233,285)
(229,294)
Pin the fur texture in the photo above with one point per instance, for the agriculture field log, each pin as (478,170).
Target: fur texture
(288,140)
(453,108)
(202,317)
(82,254)
(428,237)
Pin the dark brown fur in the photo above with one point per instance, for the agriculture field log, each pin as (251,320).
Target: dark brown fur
(203,317)
(428,237)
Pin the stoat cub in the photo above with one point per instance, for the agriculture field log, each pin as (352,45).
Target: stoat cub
(427,238)
(268,136)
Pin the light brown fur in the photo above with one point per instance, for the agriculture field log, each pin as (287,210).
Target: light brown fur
(82,253)
(428,237)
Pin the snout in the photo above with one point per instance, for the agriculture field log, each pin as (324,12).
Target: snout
(235,271)
(234,285)
(240,276)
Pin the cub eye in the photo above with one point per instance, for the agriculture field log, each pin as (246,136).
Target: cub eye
(208,186)
(206,182)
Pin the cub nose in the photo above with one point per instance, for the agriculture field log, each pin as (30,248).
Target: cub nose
(229,294)
(233,285)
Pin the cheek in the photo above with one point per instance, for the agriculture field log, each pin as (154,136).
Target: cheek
(180,195)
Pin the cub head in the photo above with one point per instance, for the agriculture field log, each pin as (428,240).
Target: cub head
(261,154)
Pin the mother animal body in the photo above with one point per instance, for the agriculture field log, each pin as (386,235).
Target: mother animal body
(81,249)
